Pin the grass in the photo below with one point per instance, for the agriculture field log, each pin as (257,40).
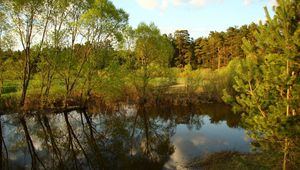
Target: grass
(229,160)
(203,84)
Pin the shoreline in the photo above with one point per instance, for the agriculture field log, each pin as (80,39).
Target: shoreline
(225,160)
(33,102)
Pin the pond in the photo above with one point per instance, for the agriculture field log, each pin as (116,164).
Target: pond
(128,138)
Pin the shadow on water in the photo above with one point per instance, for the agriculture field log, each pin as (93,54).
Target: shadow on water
(130,138)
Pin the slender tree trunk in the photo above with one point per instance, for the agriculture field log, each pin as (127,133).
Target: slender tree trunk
(288,91)
(26,76)
(219,62)
(1,86)
(48,86)
(285,154)
(27,67)
(219,59)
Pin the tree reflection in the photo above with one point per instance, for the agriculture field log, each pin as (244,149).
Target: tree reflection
(153,140)
(92,142)
(79,140)
(3,149)
(35,159)
(138,140)
(110,140)
(49,134)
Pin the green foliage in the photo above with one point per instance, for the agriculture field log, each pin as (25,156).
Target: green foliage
(103,18)
(183,48)
(214,81)
(266,77)
(193,79)
(9,87)
(267,82)
(152,52)
(111,82)
(200,52)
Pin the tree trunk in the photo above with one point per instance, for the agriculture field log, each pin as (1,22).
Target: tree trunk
(288,91)
(219,59)
(26,77)
(285,154)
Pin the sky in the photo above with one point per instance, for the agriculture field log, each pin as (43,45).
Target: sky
(199,17)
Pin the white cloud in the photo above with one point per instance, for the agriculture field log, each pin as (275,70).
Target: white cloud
(148,4)
(198,3)
(247,2)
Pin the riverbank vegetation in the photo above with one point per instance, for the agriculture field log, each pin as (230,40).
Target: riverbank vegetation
(65,53)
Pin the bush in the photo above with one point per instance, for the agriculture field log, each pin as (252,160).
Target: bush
(192,79)
(216,83)
(9,87)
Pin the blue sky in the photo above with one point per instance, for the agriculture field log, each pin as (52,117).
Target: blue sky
(199,17)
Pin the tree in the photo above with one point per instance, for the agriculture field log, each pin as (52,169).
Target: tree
(4,44)
(102,26)
(183,50)
(200,51)
(234,39)
(215,48)
(153,52)
(268,79)
(126,48)
(272,68)
(29,18)
(46,66)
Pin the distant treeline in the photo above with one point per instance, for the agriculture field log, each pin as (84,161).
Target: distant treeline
(213,51)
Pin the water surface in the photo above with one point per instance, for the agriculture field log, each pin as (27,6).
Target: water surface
(129,138)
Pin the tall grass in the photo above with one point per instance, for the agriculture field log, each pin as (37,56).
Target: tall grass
(215,82)
(208,83)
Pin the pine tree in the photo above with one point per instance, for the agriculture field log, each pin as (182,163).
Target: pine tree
(183,50)
(200,52)
(268,79)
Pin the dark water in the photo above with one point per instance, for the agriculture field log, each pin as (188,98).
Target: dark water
(130,138)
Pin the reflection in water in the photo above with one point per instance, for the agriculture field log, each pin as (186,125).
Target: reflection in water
(130,138)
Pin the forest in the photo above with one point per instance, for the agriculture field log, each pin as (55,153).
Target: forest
(65,54)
